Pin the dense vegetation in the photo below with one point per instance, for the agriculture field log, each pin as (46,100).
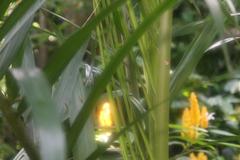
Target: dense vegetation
(120,79)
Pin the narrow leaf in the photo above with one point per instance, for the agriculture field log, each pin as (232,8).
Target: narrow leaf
(217,15)
(14,30)
(3,7)
(222,42)
(69,96)
(18,18)
(192,57)
(9,51)
(221,132)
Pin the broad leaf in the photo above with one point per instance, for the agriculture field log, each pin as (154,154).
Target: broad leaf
(69,95)
(46,118)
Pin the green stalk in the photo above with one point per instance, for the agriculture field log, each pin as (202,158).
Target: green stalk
(161,72)
(130,115)
(159,43)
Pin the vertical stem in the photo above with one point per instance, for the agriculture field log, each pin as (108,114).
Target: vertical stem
(159,89)
(163,73)
(42,56)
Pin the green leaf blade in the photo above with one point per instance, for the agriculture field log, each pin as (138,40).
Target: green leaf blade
(192,57)
(37,93)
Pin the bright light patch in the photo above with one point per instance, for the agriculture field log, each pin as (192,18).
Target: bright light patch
(51,38)
(103,137)
(105,115)
(35,24)
(3,86)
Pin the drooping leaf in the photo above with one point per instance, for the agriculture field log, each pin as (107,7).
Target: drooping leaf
(64,88)
(46,118)
(192,57)
(69,95)
(187,29)
(222,42)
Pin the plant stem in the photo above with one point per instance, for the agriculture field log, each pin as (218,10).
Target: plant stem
(162,73)
(159,47)
(18,128)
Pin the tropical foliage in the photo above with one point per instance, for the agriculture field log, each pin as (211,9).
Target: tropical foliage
(111,79)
